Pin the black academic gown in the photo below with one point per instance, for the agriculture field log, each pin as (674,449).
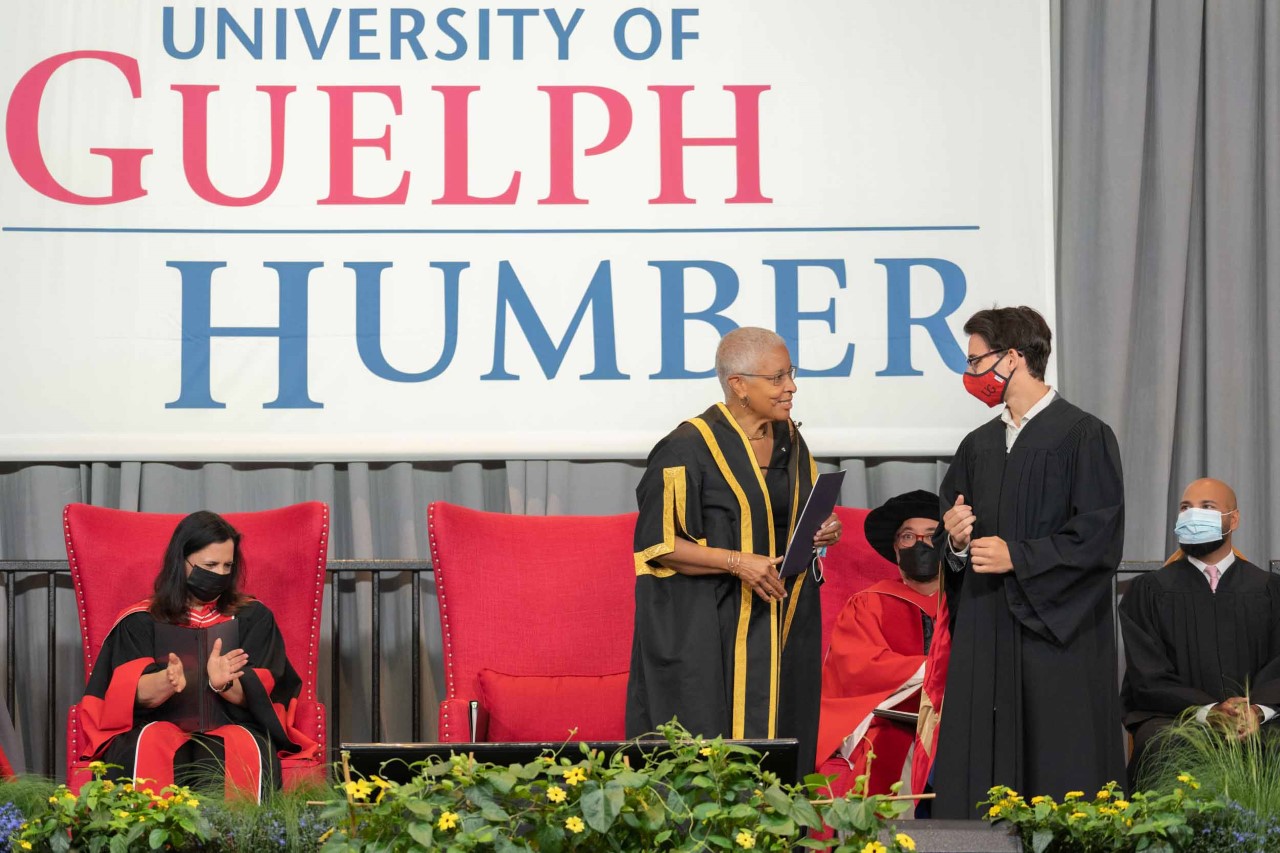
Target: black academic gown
(707,649)
(1031,697)
(1186,646)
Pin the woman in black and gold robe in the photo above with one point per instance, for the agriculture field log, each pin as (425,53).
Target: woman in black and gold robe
(721,643)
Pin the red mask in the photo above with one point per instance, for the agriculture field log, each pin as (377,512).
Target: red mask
(988,386)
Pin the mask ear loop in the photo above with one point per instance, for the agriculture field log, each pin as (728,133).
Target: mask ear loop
(816,567)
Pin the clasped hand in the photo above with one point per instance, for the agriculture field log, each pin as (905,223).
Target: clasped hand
(1237,716)
(761,574)
(223,669)
(988,555)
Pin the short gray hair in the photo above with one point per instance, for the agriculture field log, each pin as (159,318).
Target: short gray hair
(740,350)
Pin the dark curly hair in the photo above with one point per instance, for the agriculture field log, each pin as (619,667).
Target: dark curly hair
(197,531)
(1021,329)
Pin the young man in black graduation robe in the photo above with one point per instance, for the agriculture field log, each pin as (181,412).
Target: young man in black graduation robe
(706,649)
(1030,699)
(1189,646)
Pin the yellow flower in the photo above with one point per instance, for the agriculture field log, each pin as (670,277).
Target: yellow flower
(994,811)
(1074,795)
(906,842)
(556,794)
(1011,794)
(128,789)
(193,802)
(122,814)
(1122,804)
(1035,801)
(25,845)
(69,797)
(575,775)
(1077,815)
(746,840)
(448,820)
(53,799)
(380,782)
(97,766)
(575,824)
(107,785)
(706,750)
(875,847)
(359,789)
(1104,794)
(1184,778)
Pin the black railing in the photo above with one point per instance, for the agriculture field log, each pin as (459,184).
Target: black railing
(23,572)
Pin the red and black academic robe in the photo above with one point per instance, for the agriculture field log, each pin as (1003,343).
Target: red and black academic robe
(707,649)
(1031,699)
(147,746)
(1186,646)
(875,660)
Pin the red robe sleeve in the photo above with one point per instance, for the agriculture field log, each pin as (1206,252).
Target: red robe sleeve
(111,694)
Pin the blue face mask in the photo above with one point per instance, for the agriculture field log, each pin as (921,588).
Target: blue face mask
(1197,525)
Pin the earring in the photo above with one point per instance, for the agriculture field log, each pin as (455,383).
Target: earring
(745,401)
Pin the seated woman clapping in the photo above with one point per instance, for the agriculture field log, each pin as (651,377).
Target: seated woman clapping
(227,716)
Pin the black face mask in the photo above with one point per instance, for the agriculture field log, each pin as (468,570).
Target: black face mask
(1200,550)
(204,585)
(919,562)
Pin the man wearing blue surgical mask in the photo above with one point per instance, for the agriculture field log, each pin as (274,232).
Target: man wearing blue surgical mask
(1201,634)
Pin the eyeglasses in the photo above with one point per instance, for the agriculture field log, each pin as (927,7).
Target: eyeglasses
(974,359)
(907,539)
(775,378)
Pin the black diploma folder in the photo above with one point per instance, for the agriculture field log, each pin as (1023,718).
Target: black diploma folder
(196,708)
(817,509)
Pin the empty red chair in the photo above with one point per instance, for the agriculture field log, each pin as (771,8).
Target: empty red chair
(536,614)
(115,555)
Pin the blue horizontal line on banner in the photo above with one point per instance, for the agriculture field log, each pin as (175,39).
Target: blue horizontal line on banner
(818,229)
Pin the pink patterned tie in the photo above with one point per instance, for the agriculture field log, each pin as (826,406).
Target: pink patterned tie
(1212,572)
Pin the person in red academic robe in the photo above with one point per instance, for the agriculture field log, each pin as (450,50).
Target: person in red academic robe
(128,718)
(878,648)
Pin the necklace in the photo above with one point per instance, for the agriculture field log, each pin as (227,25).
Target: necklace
(764,431)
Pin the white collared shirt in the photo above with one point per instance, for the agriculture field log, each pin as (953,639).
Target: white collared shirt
(1012,430)
(1223,565)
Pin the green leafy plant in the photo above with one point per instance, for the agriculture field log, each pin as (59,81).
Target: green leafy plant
(1107,823)
(1243,770)
(692,794)
(113,816)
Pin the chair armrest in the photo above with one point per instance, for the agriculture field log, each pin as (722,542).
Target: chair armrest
(455,721)
(311,718)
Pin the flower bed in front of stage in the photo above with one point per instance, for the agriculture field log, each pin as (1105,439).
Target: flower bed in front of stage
(694,794)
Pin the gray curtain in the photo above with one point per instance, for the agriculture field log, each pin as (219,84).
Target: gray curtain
(1168,161)
(1169,250)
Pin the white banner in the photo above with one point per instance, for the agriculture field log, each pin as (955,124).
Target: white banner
(393,232)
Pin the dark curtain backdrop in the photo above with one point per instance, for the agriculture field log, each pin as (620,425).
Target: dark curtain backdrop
(1167,155)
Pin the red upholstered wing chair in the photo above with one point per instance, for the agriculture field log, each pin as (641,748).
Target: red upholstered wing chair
(115,555)
(537,614)
(851,566)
